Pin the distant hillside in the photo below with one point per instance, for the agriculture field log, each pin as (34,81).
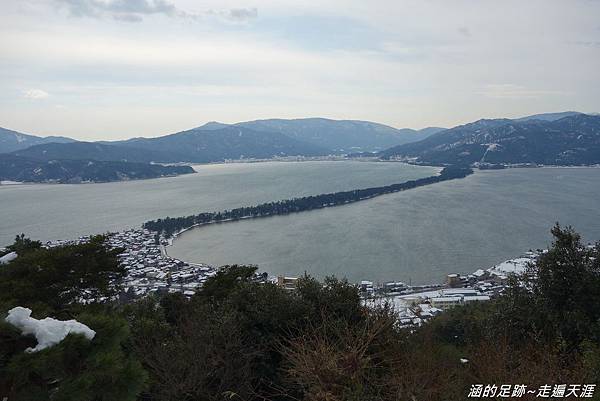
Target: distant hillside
(13,140)
(15,168)
(216,141)
(549,116)
(94,151)
(339,135)
(430,131)
(228,142)
(573,140)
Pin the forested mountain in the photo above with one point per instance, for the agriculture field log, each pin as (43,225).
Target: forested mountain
(551,138)
(13,140)
(228,142)
(572,140)
(340,135)
(95,151)
(15,168)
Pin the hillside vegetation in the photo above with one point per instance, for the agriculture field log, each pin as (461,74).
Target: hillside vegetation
(22,169)
(240,338)
(572,140)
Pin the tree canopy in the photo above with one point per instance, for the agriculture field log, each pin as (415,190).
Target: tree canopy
(246,339)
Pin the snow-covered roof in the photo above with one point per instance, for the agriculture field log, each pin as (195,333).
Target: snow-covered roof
(446,299)
(476,298)
(516,266)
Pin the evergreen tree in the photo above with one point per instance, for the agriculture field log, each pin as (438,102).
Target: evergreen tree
(566,288)
(54,283)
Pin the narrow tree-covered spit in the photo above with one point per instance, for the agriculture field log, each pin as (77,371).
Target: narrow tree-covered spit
(171,225)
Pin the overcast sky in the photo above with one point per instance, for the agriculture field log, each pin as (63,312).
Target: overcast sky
(111,69)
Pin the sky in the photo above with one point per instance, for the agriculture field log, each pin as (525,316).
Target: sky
(114,69)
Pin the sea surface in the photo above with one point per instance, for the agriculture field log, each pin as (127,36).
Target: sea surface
(416,236)
(51,211)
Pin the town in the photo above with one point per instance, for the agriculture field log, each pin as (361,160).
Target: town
(151,270)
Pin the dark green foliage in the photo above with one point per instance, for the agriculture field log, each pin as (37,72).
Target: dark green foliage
(170,226)
(53,282)
(23,245)
(58,277)
(227,280)
(567,288)
(78,369)
(240,338)
(338,299)
(226,339)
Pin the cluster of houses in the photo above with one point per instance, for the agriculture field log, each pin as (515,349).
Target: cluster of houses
(149,268)
(416,305)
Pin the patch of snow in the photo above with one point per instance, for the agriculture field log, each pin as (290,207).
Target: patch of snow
(48,331)
(516,266)
(9,257)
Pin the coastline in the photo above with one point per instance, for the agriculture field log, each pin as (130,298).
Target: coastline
(179,233)
(291,159)
(171,238)
(168,226)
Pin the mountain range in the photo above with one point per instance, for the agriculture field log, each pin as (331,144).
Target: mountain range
(217,142)
(340,135)
(570,140)
(13,140)
(227,142)
(93,151)
(565,138)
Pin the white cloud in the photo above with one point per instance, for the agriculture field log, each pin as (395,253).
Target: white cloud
(243,14)
(136,10)
(125,10)
(35,94)
(402,62)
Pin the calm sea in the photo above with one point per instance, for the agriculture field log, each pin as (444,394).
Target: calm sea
(418,235)
(48,212)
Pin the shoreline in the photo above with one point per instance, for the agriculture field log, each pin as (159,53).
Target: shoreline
(172,237)
(176,235)
(168,226)
(293,159)
(218,163)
